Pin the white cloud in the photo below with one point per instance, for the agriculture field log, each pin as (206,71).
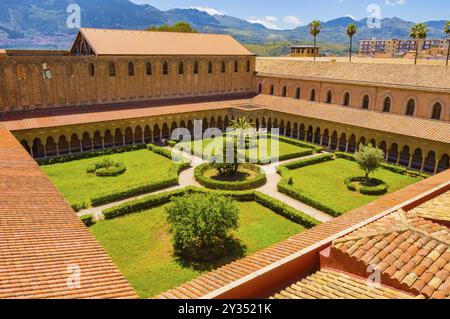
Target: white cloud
(292,20)
(268,21)
(208,10)
(394,2)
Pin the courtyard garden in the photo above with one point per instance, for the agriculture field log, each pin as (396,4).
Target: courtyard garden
(335,184)
(110,177)
(147,245)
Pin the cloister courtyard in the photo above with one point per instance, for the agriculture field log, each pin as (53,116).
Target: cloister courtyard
(133,226)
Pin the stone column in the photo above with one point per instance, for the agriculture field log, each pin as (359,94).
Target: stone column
(103,142)
(346,147)
(57,149)
(81,145)
(422,165)
(123,140)
(436,166)
(398,158)
(143,136)
(45,150)
(410,161)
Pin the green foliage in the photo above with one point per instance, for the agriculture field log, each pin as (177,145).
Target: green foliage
(79,156)
(418,31)
(156,200)
(106,168)
(202,225)
(369,159)
(314,28)
(177,27)
(374,186)
(351,30)
(256,182)
(88,220)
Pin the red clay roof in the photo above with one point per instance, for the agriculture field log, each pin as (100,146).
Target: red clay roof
(27,120)
(238,270)
(138,42)
(41,236)
(432,130)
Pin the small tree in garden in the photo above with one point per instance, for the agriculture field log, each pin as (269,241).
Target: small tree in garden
(369,159)
(201,225)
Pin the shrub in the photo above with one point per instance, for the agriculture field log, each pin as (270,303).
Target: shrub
(369,159)
(201,225)
(106,168)
(88,220)
(309,161)
(374,186)
(256,182)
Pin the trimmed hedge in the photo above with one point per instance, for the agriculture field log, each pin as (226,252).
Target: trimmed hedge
(379,189)
(152,201)
(88,220)
(256,182)
(112,171)
(75,157)
(309,161)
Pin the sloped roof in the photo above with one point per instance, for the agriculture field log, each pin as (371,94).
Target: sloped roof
(42,241)
(407,248)
(426,129)
(330,284)
(432,77)
(131,42)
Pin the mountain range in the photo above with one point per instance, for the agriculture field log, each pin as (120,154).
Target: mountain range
(42,24)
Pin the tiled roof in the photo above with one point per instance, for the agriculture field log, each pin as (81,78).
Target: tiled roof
(42,241)
(246,267)
(27,120)
(432,77)
(437,209)
(138,42)
(330,284)
(432,130)
(407,249)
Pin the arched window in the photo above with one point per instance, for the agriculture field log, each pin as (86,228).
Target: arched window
(410,107)
(346,99)
(365,102)
(165,68)
(284,91)
(91,70)
(210,67)
(130,69)
(259,88)
(236,66)
(248,66)
(312,96)
(148,68)
(112,69)
(223,67)
(437,110)
(272,89)
(180,67)
(387,105)
(195,67)
(297,93)
(329,99)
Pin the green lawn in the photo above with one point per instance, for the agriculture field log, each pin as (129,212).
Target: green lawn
(77,186)
(263,151)
(140,244)
(324,182)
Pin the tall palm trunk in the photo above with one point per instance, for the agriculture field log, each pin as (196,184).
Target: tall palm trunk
(417,52)
(351,45)
(315,42)
(448,53)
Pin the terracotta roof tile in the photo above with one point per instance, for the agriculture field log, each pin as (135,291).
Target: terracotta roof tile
(383,122)
(41,236)
(330,284)
(432,77)
(138,42)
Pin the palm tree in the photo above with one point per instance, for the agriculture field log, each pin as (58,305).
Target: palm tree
(351,31)
(447,33)
(418,32)
(314,29)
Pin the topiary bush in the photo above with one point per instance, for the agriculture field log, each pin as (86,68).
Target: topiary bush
(106,168)
(373,186)
(201,226)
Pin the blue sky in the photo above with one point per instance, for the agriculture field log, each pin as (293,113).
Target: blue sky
(285,14)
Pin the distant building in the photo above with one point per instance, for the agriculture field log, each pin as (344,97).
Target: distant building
(396,47)
(304,51)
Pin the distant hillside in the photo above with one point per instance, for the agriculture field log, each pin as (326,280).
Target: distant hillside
(42,24)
